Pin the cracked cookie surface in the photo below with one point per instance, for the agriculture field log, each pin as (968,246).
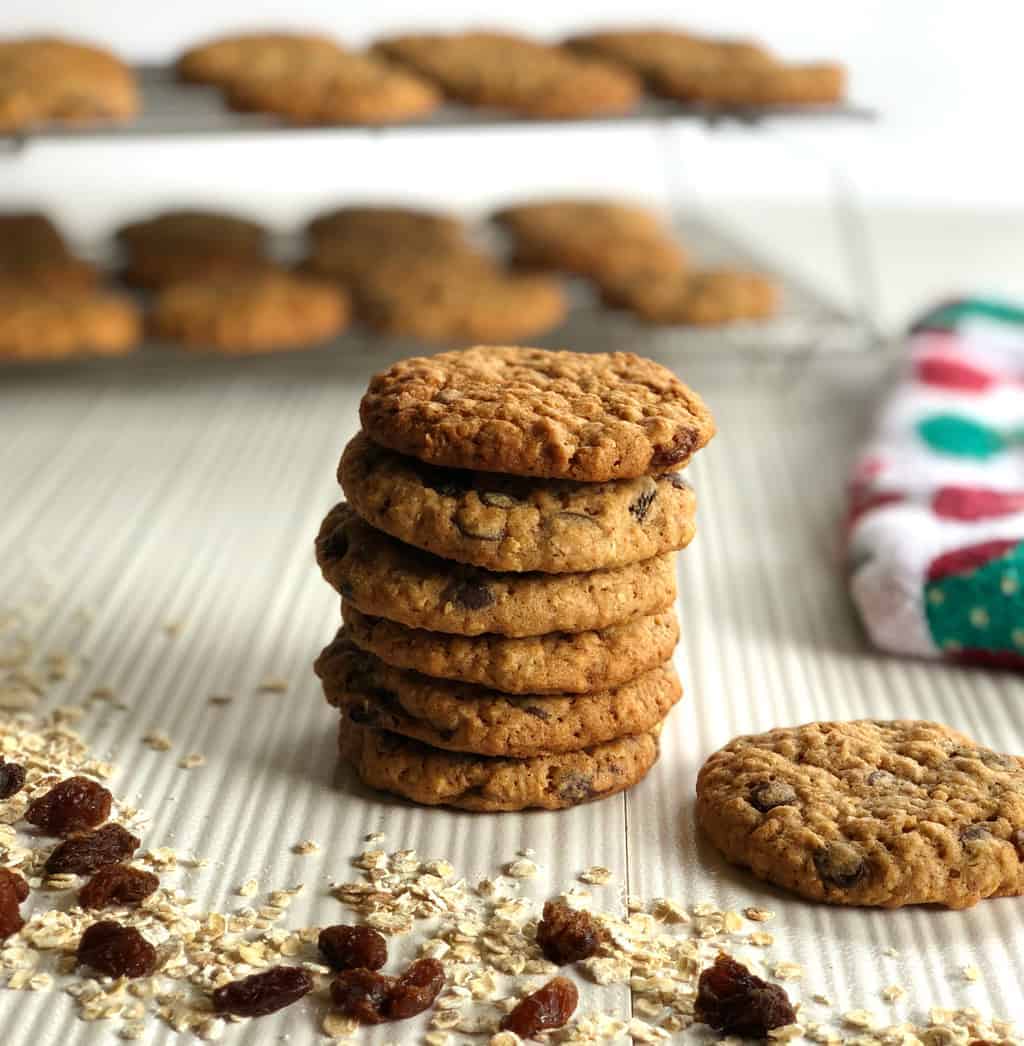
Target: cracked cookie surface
(384,578)
(510,523)
(535,412)
(464,718)
(869,813)
(559,662)
(469,782)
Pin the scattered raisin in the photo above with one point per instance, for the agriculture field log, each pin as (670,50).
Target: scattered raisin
(116,950)
(12,779)
(840,864)
(352,947)
(478,529)
(769,794)
(117,884)
(415,990)
(263,993)
(71,806)
(537,712)
(548,1007)
(468,594)
(362,995)
(13,890)
(733,1001)
(641,504)
(85,853)
(566,935)
(373,998)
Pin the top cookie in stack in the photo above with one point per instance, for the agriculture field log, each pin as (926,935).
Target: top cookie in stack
(506,562)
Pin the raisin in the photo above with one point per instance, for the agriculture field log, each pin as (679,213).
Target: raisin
(566,935)
(263,993)
(733,1001)
(362,995)
(352,947)
(641,504)
(13,890)
(373,998)
(335,545)
(415,990)
(548,1007)
(675,453)
(117,884)
(469,594)
(12,779)
(71,806)
(576,787)
(537,712)
(478,529)
(975,833)
(116,950)
(85,853)
(769,794)
(840,864)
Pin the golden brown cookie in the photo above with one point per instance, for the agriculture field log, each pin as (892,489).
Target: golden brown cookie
(559,662)
(52,80)
(33,252)
(229,58)
(704,298)
(263,312)
(346,89)
(511,72)
(388,226)
(869,813)
(509,523)
(586,236)
(384,578)
(458,717)
(454,299)
(469,782)
(192,245)
(47,325)
(817,83)
(533,412)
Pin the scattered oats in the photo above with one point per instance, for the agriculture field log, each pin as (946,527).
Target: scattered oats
(375,837)
(732,922)
(758,915)
(527,851)
(597,875)
(787,1032)
(641,1031)
(101,693)
(157,740)
(306,847)
(891,953)
(788,971)
(970,973)
(523,868)
(821,1000)
(248,888)
(864,1019)
(192,760)
(437,1038)
(761,939)
(634,903)
(335,1026)
(893,992)
(273,685)
(505,1038)
(665,910)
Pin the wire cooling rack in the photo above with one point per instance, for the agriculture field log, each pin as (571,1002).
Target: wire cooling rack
(171,107)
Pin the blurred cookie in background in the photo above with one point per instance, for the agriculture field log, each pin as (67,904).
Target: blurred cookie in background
(49,79)
(33,253)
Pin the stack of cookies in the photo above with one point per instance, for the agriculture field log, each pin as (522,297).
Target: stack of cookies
(506,561)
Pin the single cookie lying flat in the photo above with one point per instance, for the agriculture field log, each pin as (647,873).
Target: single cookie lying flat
(703,299)
(343,89)
(509,523)
(532,412)
(385,578)
(261,312)
(51,80)
(869,813)
(426,775)
(559,662)
(37,324)
(464,718)
(247,55)
(376,225)
(512,72)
